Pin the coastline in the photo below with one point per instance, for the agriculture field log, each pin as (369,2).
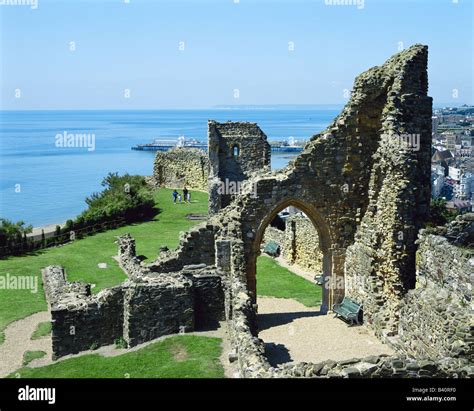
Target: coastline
(48,229)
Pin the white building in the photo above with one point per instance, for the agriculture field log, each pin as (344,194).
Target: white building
(464,188)
(455,173)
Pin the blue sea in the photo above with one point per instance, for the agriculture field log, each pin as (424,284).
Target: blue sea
(43,183)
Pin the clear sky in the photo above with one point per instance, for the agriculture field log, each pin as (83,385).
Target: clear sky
(78,54)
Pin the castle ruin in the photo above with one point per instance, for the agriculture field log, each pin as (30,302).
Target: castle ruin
(366,190)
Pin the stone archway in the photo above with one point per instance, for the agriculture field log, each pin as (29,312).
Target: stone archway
(325,244)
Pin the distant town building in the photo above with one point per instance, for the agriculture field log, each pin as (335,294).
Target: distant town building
(454,173)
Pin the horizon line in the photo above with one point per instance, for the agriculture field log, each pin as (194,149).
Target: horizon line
(218,107)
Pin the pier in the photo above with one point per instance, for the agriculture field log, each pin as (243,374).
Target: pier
(165,146)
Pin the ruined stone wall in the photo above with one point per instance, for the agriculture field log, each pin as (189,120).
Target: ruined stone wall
(145,307)
(81,321)
(380,265)
(157,307)
(273,234)
(436,318)
(127,257)
(299,243)
(236,151)
(249,353)
(181,167)
(195,247)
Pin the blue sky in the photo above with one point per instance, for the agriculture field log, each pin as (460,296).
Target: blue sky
(228,46)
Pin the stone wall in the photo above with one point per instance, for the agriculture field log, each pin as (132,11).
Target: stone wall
(81,321)
(380,265)
(274,234)
(436,317)
(181,167)
(147,306)
(299,243)
(237,150)
(156,307)
(195,247)
(249,353)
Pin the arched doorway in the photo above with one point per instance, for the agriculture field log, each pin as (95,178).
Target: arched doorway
(324,244)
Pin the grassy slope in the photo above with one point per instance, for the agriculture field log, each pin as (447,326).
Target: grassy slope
(185,356)
(80,258)
(276,281)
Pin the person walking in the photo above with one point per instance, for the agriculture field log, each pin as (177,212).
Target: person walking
(175,196)
(185,194)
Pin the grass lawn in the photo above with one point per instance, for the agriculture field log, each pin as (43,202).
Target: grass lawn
(183,356)
(29,356)
(81,257)
(42,329)
(273,280)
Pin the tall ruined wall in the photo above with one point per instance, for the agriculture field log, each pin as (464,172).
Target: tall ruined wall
(181,167)
(380,265)
(236,151)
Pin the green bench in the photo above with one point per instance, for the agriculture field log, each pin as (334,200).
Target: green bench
(272,248)
(349,310)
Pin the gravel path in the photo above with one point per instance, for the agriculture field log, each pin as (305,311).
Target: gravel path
(293,333)
(18,341)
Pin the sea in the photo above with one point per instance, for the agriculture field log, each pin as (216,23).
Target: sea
(43,181)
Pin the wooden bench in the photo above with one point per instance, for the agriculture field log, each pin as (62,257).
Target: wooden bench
(349,310)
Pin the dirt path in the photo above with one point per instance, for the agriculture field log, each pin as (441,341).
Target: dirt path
(18,341)
(294,333)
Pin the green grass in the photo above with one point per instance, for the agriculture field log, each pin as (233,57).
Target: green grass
(273,280)
(81,257)
(42,329)
(184,356)
(29,356)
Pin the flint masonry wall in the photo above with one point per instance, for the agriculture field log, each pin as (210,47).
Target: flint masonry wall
(195,247)
(81,321)
(299,243)
(249,353)
(156,307)
(145,307)
(181,167)
(380,264)
(436,318)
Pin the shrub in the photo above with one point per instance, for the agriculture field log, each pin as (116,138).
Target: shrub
(439,215)
(13,236)
(124,197)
